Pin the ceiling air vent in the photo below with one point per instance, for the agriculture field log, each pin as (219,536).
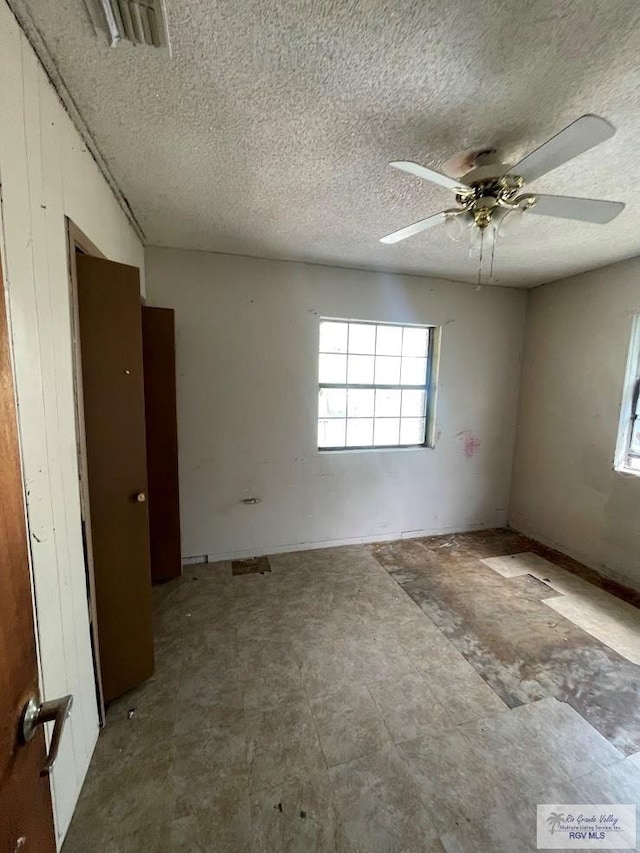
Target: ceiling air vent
(137,21)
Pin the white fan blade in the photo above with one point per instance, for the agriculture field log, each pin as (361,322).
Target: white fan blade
(584,133)
(416,228)
(585,209)
(429,175)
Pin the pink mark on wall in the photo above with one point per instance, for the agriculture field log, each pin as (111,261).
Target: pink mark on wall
(470,443)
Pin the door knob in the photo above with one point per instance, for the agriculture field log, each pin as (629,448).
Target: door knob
(37,714)
(141,497)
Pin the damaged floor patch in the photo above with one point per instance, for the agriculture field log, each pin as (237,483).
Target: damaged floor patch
(616,623)
(530,628)
(251,566)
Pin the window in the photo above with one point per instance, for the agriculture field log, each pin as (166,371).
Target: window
(628,447)
(375,385)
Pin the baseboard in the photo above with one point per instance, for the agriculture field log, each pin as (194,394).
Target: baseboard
(219,556)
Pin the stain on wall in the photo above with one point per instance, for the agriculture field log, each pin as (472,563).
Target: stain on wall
(470,443)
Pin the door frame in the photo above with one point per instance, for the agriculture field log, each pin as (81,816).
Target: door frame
(78,242)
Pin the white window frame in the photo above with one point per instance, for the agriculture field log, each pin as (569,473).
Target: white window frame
(627,458)
(429,387)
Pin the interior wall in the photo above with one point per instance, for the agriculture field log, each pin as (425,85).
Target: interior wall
(565,491)
(247,356)
(46,173)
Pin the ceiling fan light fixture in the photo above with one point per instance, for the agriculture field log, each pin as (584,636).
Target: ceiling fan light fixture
(512,221)
(455,227)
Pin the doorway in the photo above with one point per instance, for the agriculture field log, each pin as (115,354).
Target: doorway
(109,397)
(79,244)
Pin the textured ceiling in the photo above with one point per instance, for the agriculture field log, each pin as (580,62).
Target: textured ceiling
(269,131)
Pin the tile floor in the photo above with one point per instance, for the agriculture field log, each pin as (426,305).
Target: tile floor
(318,708)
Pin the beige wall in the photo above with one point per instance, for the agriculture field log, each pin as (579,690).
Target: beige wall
(565,491)
(247,362)
(46,173)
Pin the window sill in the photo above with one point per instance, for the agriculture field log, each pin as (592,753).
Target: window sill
(627,472)
(343,450)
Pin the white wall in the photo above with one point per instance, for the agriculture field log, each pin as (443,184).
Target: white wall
(247,341)
(565,491)
(46,174)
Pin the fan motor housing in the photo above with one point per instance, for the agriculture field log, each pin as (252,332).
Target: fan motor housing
(486,173)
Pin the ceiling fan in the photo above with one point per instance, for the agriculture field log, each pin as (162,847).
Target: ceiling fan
(488,193)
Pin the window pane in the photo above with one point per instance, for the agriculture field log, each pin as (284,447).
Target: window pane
(360,432)
(387,370)
(360,403)
(413,404)
(333,368)
(362,338)
(360,358)
(331,433)
(360,370)
(414,371)
(386,430)
(389,340)
(333,337)
(412,431)
(414,342)
(332,403)
(387,403)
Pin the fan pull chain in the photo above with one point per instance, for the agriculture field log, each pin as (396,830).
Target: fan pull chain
(481,253)
(494,235)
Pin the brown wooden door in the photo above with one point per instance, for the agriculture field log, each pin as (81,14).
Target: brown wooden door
(159,348)
(113,396)
(25,799)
